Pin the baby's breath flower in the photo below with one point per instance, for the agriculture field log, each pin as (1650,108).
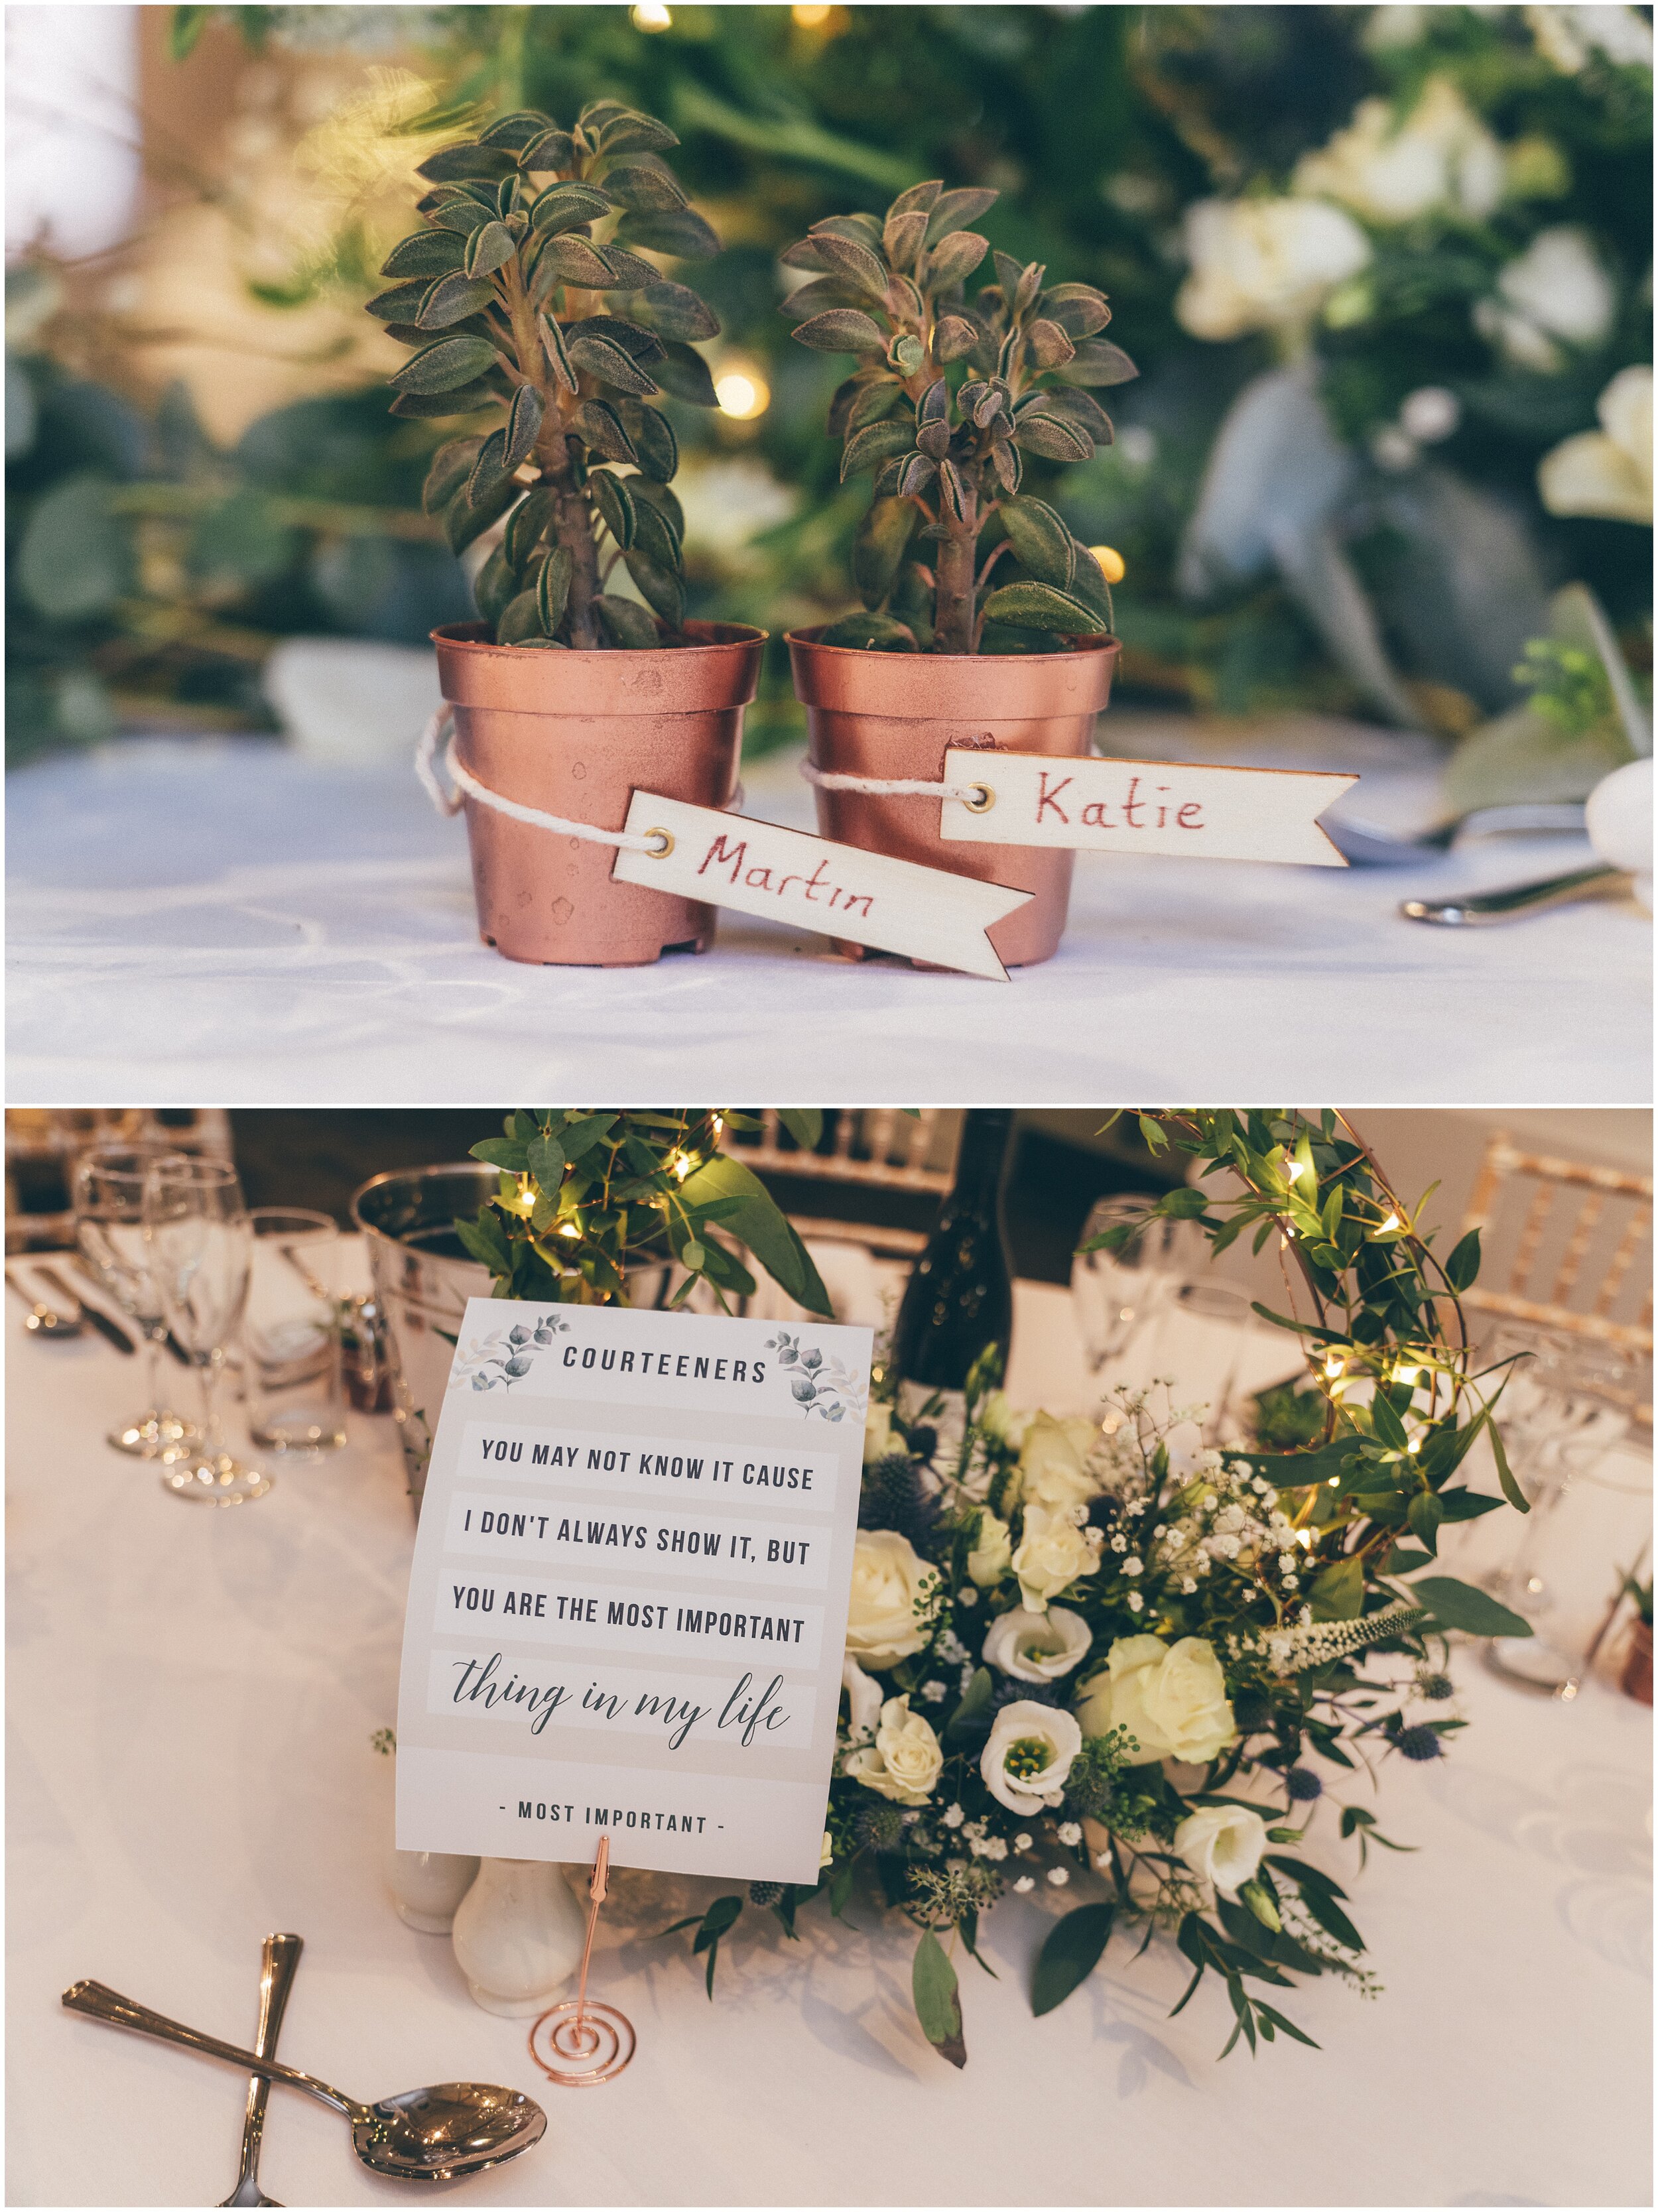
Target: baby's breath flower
(1059,1877)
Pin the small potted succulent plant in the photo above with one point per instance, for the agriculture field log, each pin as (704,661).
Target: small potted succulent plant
(534,314)
(984,622)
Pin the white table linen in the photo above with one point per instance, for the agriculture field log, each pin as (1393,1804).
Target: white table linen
(193,1694)
(230,920)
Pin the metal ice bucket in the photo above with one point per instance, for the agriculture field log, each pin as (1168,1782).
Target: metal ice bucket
(422,1279)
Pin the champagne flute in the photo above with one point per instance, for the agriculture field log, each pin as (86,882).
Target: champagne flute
(107,1189)
(1118,1297)
(196,1231)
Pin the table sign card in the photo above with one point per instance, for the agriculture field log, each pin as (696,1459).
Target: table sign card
(627,1610)
(1143,807)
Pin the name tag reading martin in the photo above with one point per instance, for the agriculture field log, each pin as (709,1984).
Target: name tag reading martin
(627,1609)
(1143,807)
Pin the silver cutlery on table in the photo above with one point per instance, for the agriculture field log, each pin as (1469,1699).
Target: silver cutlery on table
(1483,908)
(1370,844)
(41,1319)
(281,1957)
(441,2134)
(85,1311)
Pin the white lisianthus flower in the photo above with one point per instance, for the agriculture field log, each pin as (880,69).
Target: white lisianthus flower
(1569,38)
(1053,1468)
(1441,155)
(1037,1647)
(998,1418)
(865,1695)
(1607,471)
(879,1438)
(1556,289)
(1170,1698)
(1259,264)
(905,1760)
(826,1854)
(992,1552)
(889,1577)
(1052,1553)
(1222,1844)
(1028,1756)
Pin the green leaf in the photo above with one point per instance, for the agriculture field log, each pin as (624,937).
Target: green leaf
(1460,1605)
(1463,1265)
(1041,541)
(611,362)
(955,210)
(679,231)
(527,523)
(490,246)
(654,441)
(644,187)
(975,1700)
(521,619)
(659,587)
(876,442)
(626,624)
(842,330)
(804,1124)
(76,560)
(451,466)
(1265,2013)
(1097,361)
(1073,1950)
(870,633)
(445,366)
(882,540)
(1051,438)
(240,543)
(551,594)
(1337,1592)
(1387,1424)
(456,164)
(677,312)
(597,423)
(452,298)
(428,254)
(684,373)
(938,1999)
(762,1227)
(615,503)
(1040,606)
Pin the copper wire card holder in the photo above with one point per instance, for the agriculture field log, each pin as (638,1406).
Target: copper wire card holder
(591,2041)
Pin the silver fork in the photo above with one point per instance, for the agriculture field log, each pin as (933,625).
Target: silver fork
(281,1957)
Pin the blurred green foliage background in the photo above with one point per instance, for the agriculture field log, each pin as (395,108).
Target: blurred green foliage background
(1475,276)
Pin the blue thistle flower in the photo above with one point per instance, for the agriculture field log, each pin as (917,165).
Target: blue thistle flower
(1302,1785)
(1419,1742)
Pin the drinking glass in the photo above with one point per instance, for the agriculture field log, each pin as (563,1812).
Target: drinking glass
(290,1333)
(1206,1335)
(196,1228)
(1561,1579)
(106,1185)
(1118,1297)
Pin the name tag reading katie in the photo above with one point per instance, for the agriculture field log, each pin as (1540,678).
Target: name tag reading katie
(789,875)
(1142,806)
(627,1609)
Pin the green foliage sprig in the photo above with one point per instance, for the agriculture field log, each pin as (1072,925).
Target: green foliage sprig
(1386,1341)
(950,457)
(586,1198)
(512,301)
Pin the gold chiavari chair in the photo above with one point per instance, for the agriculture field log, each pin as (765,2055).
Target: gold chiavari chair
(879,1149)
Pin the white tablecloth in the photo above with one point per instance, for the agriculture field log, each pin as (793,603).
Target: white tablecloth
(230,920)
(192,1695)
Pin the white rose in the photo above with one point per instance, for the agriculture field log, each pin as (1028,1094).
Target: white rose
(1606,471)
(1028,1756)
(879,1438)
(992,1552)
(1223,1844)
(905,1760)
(863,1693)
(1037,1647)
(1170,1698)
(888,1577)
(1052,1553)
(1441,155)
(1556,288)
(1053,1466)
(1257,264)
(998,1419)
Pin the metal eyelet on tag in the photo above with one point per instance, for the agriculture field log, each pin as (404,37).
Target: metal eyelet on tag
(661,851)
(982,804)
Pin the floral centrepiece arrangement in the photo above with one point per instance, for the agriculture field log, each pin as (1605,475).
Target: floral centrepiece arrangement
(1103,1651)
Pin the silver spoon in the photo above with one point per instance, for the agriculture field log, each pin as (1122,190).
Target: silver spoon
(280,1958)
(1487,906)
(441,2134)
(1367,844)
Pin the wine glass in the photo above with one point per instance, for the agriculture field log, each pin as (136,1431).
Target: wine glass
(200,1246)
(107,1186)
(1118,1297)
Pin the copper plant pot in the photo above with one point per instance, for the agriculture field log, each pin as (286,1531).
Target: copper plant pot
(576,734)
(896,714)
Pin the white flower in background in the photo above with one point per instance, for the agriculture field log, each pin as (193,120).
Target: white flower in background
(1222,1844)
(1070,1832)
(728,502)
(1606,471)
(998,1417)
(1037,1647)
(826,1852)
(905,1760)
(879,1438)
(1571,37)
(1059,1877)
(1028,1756)
(1262,264)
(1187,1452)
(1556,289)
(1441,155)
(1052,1553)
(1429,414)
(864,1693)
(888,1578)
(992,1552)
(1170,1698)
(1053,1461)
(1025,1884)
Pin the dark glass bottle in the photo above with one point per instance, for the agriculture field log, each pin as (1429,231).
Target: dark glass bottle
(960,1297)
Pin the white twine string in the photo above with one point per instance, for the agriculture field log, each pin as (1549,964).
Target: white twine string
(879,786)
(468,786)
